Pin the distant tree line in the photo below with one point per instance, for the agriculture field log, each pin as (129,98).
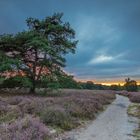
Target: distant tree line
(66,81)
(69,82)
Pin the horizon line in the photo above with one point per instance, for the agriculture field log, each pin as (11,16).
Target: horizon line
(107,83)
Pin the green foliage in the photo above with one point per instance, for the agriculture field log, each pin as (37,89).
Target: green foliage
(92,86)
(1,80)
(16,81)
(7,63)
(53,85)
(131,85)
(50,93)
(43,45)
(67,81)
(8,117)
(49,81)
(116,87)
(89,85)
(59,80)
(56,117)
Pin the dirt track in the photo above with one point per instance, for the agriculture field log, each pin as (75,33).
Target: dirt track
(112,124)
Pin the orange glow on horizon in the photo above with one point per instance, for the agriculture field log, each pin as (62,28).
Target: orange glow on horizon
(107,83)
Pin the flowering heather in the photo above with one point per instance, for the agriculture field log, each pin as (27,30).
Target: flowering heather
(58,117)
(25,129)
(20,115)
(133,96)
(3,107)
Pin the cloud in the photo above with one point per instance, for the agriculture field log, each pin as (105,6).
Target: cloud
(101,59)
(90,29)
(104,58)
(96,35)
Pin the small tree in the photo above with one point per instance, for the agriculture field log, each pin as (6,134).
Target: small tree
(67,81)
(115,87)
(39,51)
(89,85)
(131,85)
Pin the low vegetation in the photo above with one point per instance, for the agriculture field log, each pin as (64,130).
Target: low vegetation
(34,117)
(34,59)
(27,128)
(134,108)
(133,96)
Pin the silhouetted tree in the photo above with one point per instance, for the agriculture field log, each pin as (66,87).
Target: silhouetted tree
(67,81)
(131,85)
(89,85)
(115,87)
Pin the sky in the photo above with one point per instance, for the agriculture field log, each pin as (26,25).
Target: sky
(108,32)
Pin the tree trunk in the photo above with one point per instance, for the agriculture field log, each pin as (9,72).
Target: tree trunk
(32,89)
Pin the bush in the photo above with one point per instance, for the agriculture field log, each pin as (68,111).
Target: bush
(14,100)
(50,93)
(8,117)
(26,129)
(63,110)
(135,97)
(17,81)
(57,117)
(82,112)
(84,109)
(31,105)
(3,107)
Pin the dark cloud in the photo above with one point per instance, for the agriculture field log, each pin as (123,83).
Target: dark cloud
(108,32)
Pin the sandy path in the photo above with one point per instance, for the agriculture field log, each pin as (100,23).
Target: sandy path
(112,124)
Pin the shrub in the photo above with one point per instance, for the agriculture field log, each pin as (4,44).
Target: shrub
(86,109)
(134,97)
(4,108)
(16,81)
(62,110)
(50,93)
(26,129)
(82,112)
(14,100)
(8,117)
(31,105)
(57,117)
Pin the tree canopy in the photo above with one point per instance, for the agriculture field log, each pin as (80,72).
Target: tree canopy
(38,51)
(131,85)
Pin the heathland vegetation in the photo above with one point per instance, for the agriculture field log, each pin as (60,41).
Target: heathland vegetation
(31,62)
(38,100)
(33,117)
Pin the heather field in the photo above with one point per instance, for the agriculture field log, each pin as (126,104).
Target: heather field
(26,117)
(133,96)
(67,66)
